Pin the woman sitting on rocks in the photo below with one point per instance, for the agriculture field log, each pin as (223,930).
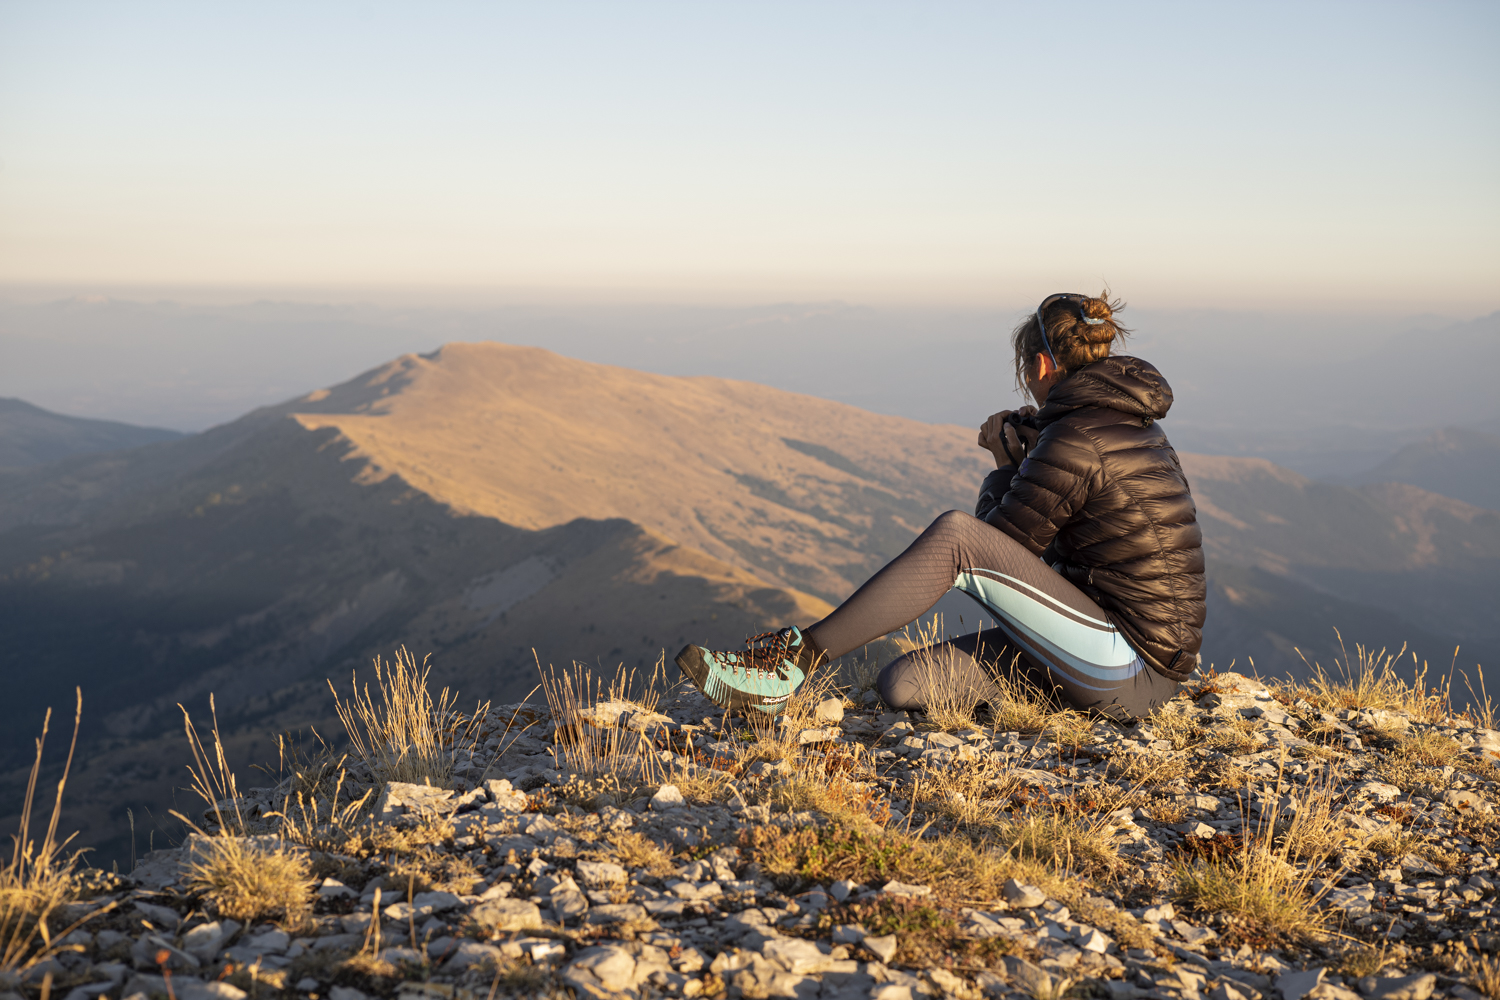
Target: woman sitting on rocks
(1084,547)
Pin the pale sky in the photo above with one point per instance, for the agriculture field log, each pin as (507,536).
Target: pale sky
(1233,154)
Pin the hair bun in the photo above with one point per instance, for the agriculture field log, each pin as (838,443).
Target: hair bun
(1098,309)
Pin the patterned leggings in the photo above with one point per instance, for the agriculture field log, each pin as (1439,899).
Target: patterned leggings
(1051,635)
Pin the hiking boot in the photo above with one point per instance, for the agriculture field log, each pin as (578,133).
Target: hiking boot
(761,676)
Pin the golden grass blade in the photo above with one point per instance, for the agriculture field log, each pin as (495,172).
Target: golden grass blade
(38,881)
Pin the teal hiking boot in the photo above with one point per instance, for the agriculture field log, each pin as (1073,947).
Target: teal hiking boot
(761,676)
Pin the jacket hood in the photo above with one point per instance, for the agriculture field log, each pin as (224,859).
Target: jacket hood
(1122,383)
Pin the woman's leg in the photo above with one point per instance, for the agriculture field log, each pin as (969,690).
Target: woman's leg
(961,669)
(1060,632)
(966,669)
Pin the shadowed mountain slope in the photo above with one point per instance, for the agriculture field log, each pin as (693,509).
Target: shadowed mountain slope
(30,435)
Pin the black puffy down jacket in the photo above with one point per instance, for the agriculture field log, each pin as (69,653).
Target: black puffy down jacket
(1102,498)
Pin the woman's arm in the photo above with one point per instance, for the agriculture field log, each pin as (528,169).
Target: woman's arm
(1045,491)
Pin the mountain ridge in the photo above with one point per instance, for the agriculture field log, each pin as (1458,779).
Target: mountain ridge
(31,435)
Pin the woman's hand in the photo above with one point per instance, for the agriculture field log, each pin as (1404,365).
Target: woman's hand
(1003,437)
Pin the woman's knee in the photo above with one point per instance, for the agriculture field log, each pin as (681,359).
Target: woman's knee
(950,529)
(899,685)
(953,522)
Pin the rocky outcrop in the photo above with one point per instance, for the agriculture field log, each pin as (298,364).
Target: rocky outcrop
(661,895)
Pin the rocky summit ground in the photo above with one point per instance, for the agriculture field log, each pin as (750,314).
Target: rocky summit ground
(1248,842)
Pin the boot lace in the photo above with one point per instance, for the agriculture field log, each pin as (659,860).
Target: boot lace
(767,653)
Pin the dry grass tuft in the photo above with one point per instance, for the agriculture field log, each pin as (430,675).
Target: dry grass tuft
(1369,681)
(797,856)
(927,934)
(860,669)
(1257,887)
(602,744)
(970,795)
(1482,972)
(1235,738)
(1394,843)
(636,850)
(429,870)
(1266,895)
(1021,708)
(405,735)
(958,870)
(1150,769)
(1410,776)
(948,710)
(1173,723)
(1362,960)
(245,879)
(1067,844)
(1221,775)
(1432,749)
(517,977)
(836,797)
(247,883)
(38,880)
(702,784)
(1311,831)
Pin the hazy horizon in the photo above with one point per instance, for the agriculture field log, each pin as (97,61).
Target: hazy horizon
(1326,395)
(1273,155)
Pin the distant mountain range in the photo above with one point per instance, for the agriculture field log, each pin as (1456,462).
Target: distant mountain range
(1455,461)
(486,501)
(30,435)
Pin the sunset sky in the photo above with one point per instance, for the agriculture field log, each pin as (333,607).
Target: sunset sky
(1237,154)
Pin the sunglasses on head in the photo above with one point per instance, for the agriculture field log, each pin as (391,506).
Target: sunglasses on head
(1075,299)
